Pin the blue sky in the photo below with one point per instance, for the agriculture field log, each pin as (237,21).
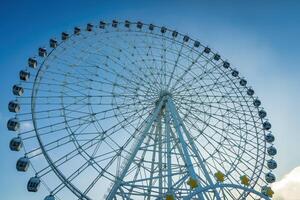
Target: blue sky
(261,38)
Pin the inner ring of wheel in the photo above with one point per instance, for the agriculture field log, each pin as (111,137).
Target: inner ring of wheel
(36,85)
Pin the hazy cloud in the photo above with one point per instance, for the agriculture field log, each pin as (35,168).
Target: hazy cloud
(26,126)
(288,188)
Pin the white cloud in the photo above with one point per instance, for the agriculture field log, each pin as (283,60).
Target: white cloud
(26,126)
(289,187)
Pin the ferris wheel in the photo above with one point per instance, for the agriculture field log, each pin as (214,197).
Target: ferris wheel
(125,110)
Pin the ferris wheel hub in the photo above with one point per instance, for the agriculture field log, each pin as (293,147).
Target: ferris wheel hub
(139,108)
(163,94)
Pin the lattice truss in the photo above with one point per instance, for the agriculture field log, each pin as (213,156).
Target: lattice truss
(135,111)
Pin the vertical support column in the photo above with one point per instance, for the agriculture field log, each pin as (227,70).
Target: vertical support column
(152,168)
(184,146)
(169,160)
(159,132)
(148,125)
(194,149)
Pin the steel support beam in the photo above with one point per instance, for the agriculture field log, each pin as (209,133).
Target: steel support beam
(144,133)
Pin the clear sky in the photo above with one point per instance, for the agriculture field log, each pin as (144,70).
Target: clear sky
(261,38)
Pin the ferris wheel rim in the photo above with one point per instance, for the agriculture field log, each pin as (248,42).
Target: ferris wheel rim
(61,175)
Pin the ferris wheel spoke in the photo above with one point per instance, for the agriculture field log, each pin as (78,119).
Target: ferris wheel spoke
(158,57)
(60,123)
(203,87)
(191,142)
(204,74)
(140,56)
(84,167)
(132,136)
(139,165)
(187,158)
(68,156)
(140,140)
(73,176)
(97,178)
(52,131)
(142,111)
(52,82)
(163,62)
(243,127)
(226,109)
(122,65)
(66,108)
(199,77)
(149,47)
(219,118)
(210,77)
(216,129)
(62,74)
(233,101)
(83,80)
(157,79)
(37,151)
(136,76)
(185,72)
(138,83)
(152,167)
(117,154)
(229,149)
(175,64)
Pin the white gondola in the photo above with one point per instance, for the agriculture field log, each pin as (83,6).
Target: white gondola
(127,24)
(16,144)
(234,73)
(77,30)
(174,34)
(272,164)
(33,184)
(49,197)
(14,106)
(64,36)
(196,44)
(18,90)
(217,57)
(89,27)
(13,124)
(226,64)
(269,138)
(167,114)
(270,178)
(42,52)
(32,62)
(114,23)
(267,125)
(151,27)
(272,151)
(53,43)
(250,92)
(23,164)
(24,75)
(139,25)
(243,82)
(186,38)
(262,114)
(102,24)
(256,103)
